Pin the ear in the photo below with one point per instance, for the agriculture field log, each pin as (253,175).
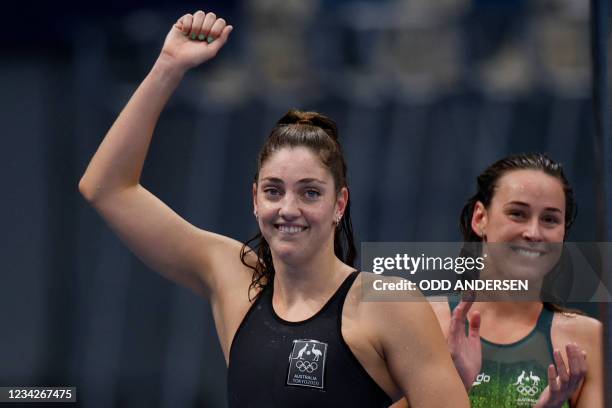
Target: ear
(342,200)
(479,219)
(254,198)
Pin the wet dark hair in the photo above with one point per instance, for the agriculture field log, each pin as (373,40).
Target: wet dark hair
(319,134)
(487,183)
(485,190)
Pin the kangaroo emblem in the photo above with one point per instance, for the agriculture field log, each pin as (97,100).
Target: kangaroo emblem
(520,378)
(302,350)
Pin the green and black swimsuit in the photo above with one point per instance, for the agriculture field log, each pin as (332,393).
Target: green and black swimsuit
(514,375)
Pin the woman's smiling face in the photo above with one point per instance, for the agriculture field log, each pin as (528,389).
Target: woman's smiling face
(527,213)
(296,202)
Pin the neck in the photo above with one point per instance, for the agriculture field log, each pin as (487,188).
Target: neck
(507,322)
(519,310)
(312,281)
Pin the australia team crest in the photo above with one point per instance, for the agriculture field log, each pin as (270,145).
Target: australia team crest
(307,364)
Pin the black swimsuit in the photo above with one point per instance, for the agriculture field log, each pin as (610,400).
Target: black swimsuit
(276,363)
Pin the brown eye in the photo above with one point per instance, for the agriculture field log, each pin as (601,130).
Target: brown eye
(551,220)
(516,214)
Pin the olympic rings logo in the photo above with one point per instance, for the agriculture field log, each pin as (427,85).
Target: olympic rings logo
(307,366)
(528,390)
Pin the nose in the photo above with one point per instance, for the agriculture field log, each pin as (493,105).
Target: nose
(532,231)
(289,208)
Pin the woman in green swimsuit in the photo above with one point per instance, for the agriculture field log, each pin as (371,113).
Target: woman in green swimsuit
(527,353)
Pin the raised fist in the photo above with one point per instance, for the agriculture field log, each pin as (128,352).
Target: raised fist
(194,39)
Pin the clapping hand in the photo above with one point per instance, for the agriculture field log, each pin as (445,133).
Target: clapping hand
(562,383)
(465,350)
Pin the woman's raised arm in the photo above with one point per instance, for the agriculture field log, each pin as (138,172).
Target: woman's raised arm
(111,183)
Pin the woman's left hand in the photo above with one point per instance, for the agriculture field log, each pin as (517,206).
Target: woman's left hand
(561,383)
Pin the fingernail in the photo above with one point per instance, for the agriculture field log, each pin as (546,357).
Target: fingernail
(193,36)
(210,39)
(201,37)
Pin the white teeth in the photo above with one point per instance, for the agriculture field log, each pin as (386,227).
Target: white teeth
(527,253)
(290,229)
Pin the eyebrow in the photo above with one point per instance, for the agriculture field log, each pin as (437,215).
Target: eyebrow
(522,204)
(301,181)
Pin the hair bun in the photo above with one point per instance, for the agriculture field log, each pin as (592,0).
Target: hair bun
(298,117)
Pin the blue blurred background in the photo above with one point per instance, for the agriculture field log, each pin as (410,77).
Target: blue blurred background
(425,93)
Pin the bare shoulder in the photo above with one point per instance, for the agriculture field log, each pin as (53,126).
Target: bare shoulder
(585,331)
(440,306)
(382,301)
(402,328)
(441,309)
(577,328)
(384,292)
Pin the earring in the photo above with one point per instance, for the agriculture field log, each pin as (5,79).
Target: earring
(483,236)
(337,219)
(255,214)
